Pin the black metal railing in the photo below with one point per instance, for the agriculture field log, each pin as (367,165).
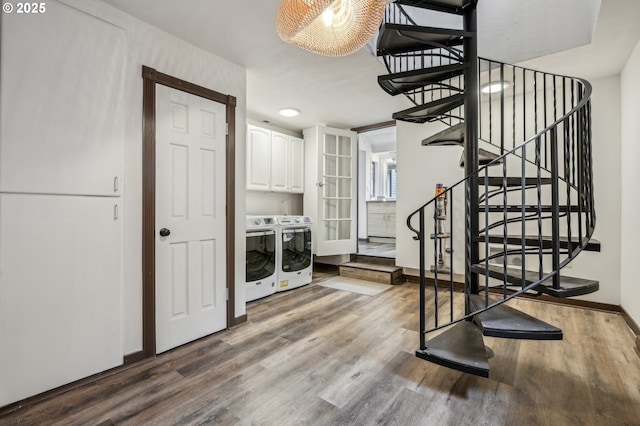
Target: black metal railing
(535,199)
(541,218)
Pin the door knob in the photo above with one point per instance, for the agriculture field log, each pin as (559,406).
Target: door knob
(164,232)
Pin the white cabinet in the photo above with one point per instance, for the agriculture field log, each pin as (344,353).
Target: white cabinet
(275,161)
(381,219)
(330,189)
(296,165)
(258,158)
(61,263)
(62,121)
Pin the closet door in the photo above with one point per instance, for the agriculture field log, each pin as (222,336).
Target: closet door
(61,115)
(60,291)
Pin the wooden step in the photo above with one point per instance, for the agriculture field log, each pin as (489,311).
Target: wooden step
(376,260)
(460,347)
(509,323)
(400,38)
(384,274)
(431,110)
(544,241)
(569,286)
(403,82)
(447,6)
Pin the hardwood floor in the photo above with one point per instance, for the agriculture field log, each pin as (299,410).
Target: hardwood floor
(377,249)
(320,356)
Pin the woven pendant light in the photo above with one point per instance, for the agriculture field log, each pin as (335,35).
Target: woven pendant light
(329,27)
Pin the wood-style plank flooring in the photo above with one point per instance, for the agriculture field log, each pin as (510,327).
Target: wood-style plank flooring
(377,249)
(320,356)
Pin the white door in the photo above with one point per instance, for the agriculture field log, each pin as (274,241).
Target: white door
(190,218)
(337,198)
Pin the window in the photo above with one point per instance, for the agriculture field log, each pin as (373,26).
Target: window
(374,174)
(391,181)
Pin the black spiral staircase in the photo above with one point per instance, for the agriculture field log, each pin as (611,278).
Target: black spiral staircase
(528,190)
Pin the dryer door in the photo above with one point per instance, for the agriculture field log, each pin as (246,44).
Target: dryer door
(261,255)
(296,249)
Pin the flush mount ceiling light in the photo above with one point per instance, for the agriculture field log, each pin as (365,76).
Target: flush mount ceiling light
(329,27)
(494,87)
(289,112)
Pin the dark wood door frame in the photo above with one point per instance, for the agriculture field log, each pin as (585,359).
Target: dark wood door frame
(151,77)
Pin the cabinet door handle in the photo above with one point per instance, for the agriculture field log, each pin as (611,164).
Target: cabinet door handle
(115,212)
(115,184)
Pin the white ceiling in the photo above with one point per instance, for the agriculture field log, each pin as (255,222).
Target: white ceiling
(343,92)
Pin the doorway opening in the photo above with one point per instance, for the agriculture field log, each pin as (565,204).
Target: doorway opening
(377,190)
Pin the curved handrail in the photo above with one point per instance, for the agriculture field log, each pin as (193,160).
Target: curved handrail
(584,101)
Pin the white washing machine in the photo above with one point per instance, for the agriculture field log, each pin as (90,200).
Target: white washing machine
(295,262)
(262,253)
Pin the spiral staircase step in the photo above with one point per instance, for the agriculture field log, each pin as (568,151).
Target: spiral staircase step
(400,38)
(460,347)
(545,241)
(453,135)
(403,82)
(517,208)
(513,181)
(484,157)
(448,6)
(510,323)
(430,111)
(569,286)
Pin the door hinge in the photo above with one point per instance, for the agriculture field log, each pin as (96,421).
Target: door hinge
(226,129)
(227,294)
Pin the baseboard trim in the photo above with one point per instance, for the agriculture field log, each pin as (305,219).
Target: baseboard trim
(631,323)
(32,400)
(133,357)
(239,320)
(325,267)
(586,304)
(129,361)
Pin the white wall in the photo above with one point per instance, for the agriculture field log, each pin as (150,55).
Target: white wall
(273,203)
(420,168)
(630,176)
(147,45)
(605,265)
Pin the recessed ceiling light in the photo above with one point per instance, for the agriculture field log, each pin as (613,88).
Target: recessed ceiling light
(289,112)
(494,87)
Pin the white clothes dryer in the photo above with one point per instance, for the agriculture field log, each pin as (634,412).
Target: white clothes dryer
(295,262)
(262,253)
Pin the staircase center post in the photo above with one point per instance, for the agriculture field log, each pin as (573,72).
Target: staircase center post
(471,119)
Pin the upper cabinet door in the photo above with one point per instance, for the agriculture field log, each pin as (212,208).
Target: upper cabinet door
(333,202)
(296,165)
(258,155)
(62,127)
(279,161)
